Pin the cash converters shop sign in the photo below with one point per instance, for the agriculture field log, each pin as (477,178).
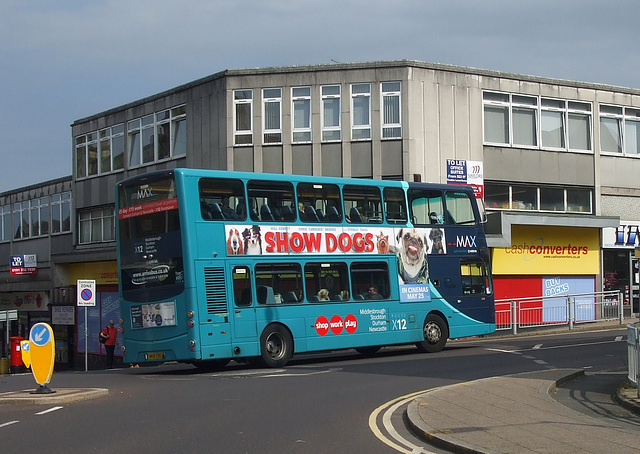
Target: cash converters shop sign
(549,250)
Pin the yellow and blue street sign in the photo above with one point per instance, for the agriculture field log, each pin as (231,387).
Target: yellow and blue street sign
(42,352)
(26,353)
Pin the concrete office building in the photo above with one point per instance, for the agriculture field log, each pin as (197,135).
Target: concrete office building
(555,160)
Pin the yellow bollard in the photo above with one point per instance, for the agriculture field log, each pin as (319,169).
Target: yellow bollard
(4,366)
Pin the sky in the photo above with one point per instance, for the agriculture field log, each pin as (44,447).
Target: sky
(63,60)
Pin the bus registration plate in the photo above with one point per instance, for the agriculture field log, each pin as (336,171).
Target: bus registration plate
(159,355)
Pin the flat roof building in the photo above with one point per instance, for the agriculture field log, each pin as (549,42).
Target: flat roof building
(556,161)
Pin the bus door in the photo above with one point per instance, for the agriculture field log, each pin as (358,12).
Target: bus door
(475,290)
(243,311)
(213,313)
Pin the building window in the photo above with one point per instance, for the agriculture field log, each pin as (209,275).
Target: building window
(301,117)
(579,114)
(496,118)
(96,225)
(331,113)
(538,198)
(157,137)
(61,213)
(171,135)
(5,223)
(391,112)
(536,122)
(22,220)
(632,131)
(141,133)
(39,216)
(552,123)
(87,155)
(243,118)
(611,129)
(524,115)
(272,115)
(111,146)
(361,112)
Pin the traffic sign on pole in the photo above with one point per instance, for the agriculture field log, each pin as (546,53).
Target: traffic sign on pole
(86,292)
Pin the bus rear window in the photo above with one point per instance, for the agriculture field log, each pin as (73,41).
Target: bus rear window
(150,240)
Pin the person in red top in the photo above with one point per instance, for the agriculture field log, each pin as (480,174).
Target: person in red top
(110,333)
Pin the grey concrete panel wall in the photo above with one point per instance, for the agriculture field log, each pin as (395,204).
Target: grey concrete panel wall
(272,159)
(362,160)
(331,156)
(243,159)
(620,175)
(302,159)
(392,157)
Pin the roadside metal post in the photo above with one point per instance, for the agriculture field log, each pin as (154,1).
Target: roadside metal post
(621,307)
(514,317)
(570,303)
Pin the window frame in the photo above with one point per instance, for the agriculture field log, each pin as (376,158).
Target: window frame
(246,103)
(570,193)
(89,219)
(508,104)
(301,134)
(271,133)
(360,128)
(333,132)
(390,130)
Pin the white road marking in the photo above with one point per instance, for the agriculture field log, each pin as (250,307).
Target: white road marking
(8,424)
(44,412)
(391,406)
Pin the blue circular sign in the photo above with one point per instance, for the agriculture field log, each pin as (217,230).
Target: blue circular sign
(86,294)
(40,335)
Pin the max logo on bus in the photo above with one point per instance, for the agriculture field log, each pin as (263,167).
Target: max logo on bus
(466,241)
(144,192)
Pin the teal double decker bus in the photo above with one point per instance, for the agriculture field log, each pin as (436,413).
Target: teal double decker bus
(217,265)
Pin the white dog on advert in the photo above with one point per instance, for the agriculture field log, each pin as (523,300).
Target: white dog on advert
(412,256)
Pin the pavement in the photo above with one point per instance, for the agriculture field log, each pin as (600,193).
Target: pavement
(549,411)
(56,396)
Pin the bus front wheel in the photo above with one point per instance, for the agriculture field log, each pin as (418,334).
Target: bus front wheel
(276,346)
(436,333)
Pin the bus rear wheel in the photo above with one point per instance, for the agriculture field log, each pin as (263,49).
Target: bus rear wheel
(436,333)
(276,346)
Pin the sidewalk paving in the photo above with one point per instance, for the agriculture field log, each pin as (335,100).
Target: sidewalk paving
(516,414)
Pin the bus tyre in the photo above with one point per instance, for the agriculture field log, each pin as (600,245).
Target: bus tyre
(276,346)
(436,333)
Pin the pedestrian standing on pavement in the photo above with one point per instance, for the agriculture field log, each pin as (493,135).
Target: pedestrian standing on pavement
(110,333)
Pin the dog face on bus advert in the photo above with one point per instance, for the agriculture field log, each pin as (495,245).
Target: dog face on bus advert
(412,256)
(252,241)
(234,243)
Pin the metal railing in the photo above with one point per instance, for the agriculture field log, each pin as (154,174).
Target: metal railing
(633,349)
(519,313)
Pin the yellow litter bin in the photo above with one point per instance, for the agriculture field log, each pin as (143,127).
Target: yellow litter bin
(4,366)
